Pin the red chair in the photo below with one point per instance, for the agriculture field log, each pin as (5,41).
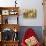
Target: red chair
(28,34)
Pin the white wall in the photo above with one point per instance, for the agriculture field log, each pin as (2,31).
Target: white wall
(23,4)
(7,3)
(33,22)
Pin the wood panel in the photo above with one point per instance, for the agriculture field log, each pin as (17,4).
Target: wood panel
(10,43)
(0,43)
(44,6)
(11,26)
(9,8)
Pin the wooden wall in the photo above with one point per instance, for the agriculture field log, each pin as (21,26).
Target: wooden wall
(44,6)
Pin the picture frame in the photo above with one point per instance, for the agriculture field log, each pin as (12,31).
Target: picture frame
(30,13)
(5,12)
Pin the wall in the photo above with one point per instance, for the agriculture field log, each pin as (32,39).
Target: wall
(32,22)
(24,4)
(7,3)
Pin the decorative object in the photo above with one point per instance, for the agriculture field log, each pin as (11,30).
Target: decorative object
(12,12)
(5,12)
(15,36)
(30,13)
(7,34)
(6,21)
(15,30)
(15,3)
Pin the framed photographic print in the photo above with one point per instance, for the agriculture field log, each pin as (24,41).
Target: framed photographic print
(5,12)
(30,13)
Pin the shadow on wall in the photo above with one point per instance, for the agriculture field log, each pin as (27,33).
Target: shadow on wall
(37,29)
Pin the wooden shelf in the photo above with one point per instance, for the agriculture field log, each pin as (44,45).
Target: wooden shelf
(4,25)
(9,8)
(5,12)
